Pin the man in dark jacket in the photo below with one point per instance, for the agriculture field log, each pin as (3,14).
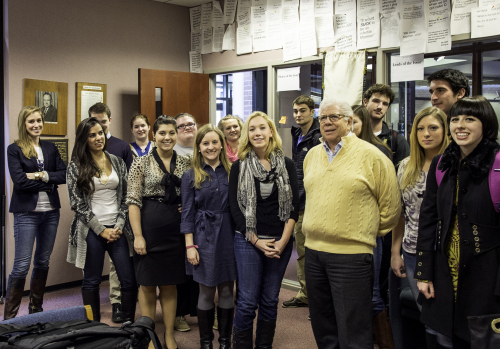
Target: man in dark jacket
(377,100)
(304,137)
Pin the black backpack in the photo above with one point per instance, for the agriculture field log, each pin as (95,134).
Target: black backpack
(79,334)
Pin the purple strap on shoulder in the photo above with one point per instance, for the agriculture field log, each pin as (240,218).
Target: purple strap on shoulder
(494,182)
(439,173)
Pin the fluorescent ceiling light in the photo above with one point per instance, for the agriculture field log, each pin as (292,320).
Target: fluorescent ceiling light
(431,62)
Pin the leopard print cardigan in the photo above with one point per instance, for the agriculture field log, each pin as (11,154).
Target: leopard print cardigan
(145,177)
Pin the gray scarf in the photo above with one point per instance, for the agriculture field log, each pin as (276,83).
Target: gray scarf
(247,197)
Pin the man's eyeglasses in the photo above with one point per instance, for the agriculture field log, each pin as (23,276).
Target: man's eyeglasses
(331,117)
(183,126)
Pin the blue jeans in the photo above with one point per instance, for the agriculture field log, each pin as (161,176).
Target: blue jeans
(259,282)
(29,226)
(377,300)
(94,262)
(410,265)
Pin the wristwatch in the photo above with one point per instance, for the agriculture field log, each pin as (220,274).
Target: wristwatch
(37,176)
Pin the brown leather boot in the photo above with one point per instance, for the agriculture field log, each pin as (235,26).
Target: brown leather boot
(13,297)
(382,330)
(37,289)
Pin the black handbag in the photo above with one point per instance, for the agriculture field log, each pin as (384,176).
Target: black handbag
(79,334)
(484,331)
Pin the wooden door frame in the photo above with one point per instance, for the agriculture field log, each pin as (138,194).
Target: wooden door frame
(182,92)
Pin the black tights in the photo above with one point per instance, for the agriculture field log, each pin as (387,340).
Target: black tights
(207,296)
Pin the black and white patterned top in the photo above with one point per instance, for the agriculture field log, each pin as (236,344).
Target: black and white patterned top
(411,198)
(144,179)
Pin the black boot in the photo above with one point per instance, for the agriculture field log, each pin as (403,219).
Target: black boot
(13,297)
(242,339)
(92,298)
(37,289)
(265,334)
(129,303)
(225,318)
(205,323)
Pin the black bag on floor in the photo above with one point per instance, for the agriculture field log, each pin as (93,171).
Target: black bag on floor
(79,334)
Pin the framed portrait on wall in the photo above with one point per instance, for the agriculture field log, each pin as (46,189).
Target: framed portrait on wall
(88,94)
(52,99)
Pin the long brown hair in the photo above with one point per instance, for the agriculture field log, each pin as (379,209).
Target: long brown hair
(87,167)
(199,173)
(24,142)
(366,128)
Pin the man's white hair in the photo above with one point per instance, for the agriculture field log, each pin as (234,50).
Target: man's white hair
(345,108)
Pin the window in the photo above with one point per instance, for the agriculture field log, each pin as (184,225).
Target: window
(311,84)
(241,93)
(480,62)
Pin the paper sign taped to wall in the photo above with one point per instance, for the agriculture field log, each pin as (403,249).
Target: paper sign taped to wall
(288,79)
(407,68)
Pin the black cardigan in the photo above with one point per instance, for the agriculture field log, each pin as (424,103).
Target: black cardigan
(268,222)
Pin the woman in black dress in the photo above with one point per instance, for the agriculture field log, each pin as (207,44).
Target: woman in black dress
(153,199)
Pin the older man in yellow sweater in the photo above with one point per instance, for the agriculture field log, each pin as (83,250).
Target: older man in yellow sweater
(352,197)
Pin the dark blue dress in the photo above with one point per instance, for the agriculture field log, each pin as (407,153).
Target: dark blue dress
(206,214)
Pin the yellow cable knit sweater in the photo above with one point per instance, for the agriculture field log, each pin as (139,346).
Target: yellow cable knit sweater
(351,200)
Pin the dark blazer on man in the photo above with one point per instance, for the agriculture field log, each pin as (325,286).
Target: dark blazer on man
(50,115)
(120,148)
(25,193)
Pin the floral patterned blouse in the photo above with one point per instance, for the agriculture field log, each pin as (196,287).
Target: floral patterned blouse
(411,198)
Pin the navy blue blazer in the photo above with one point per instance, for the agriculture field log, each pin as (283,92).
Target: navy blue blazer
(120,148)
(25,194)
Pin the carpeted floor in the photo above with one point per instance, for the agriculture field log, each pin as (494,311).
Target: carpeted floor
(293,329)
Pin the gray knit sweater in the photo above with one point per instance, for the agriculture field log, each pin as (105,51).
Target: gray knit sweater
(84,217)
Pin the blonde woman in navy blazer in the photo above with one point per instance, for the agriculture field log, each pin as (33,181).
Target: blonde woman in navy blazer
(36,169)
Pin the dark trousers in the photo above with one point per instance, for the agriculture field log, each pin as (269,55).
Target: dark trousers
(339,289)
(187,297)
(94,262)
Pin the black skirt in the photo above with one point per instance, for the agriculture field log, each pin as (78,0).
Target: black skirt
(165,246)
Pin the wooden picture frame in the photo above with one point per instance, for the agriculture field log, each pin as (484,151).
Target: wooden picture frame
(87,94)
(52,98)
(62,146)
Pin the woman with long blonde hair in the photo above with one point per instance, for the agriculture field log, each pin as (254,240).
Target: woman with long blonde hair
(264,200)
(428,138)
(209,234)
(36,169)
(231,126)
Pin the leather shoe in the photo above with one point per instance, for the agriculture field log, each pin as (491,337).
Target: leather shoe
(294,303)
(117,317)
